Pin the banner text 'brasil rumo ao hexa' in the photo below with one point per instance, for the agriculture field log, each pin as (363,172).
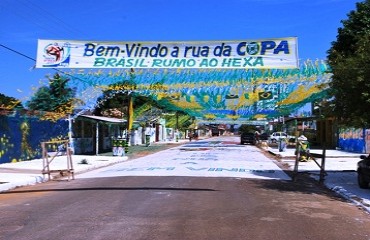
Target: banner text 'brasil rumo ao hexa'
(279,53)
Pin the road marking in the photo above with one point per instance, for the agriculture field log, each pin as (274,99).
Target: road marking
(205,160)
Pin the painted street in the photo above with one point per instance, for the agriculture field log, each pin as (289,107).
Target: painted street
(224,158)
(215,189)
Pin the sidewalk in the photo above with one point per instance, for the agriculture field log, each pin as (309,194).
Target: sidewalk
(335,160)
(341,173)
(25,173)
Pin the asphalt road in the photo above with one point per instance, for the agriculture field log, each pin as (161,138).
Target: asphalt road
(204,190)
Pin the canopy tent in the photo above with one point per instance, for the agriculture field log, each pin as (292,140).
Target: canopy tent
(212,95)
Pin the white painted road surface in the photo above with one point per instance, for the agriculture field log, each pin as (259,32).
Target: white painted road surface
(199,159)
(222,157)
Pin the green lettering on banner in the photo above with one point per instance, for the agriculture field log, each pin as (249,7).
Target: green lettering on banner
(191,62)
(213,62)
(179,63)
(99,62)
(157,63)
(111,62)
(121,63)
(247,62)
(204,63)
(237,62)
(258,61)
(252,62)
(226,62)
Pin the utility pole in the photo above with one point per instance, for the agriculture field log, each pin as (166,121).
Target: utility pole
(130,109)
(129,116)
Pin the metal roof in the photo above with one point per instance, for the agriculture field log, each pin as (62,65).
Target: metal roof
(104,119)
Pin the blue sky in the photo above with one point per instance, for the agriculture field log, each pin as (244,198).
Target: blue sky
(23,22)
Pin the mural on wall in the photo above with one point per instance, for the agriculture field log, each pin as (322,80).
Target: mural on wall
(21,135)
(367,141)
(352,140)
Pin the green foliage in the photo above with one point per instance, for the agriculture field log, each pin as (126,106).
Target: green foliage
(57,97)
(112,100)
(182,121)
(9,102)
(247,128)
(116,97)
(349,59)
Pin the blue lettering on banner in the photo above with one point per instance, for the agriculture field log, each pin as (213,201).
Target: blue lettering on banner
(253,48)
(136,50)
(277,53)
(101,50)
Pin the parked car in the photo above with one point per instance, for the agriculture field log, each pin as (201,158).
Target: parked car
(264,136)
(363,172)
(276,136)
(247,138)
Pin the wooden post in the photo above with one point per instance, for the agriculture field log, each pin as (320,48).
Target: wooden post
(297,150)
(97,139)
(46,161)
(322,169)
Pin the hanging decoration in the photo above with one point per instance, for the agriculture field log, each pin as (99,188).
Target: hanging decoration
(217,95)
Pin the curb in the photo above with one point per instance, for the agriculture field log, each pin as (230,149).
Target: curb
(350,197)
(32,179)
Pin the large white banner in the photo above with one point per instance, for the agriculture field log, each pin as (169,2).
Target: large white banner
(266,53)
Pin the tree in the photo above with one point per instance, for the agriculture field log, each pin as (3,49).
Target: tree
(9,103)
(57,97)
(244,128)
(349,59)
(114,100)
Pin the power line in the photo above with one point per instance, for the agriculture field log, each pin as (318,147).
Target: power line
(31,19)
(31,13)
(53,18)
(19,53)
(24,55)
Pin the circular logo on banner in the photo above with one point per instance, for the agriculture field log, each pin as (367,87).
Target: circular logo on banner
(56,54)
(253,48)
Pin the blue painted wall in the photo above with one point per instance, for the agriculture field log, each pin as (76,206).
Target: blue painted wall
(21,136)
(352,140)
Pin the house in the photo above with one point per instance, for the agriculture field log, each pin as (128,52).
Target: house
(94,134)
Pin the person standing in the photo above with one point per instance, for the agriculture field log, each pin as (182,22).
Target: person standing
(190,135)
(147,135)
